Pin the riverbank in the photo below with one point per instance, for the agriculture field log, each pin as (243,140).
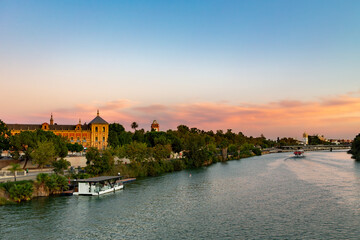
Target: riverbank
(44,186)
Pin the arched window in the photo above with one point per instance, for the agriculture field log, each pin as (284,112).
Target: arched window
(103,139)
(96,139)
(103,129)
(96,129)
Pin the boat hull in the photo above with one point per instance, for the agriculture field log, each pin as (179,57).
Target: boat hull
(110,190)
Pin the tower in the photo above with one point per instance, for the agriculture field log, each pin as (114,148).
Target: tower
(305,138)
(99,132)
(155,126)
(51,120)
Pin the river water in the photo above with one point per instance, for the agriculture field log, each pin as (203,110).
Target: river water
(267,197)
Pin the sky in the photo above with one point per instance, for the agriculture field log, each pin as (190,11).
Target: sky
(277,68)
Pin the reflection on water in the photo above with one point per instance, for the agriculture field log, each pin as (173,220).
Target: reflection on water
(272,196)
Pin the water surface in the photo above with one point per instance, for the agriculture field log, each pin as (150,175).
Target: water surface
(268,197)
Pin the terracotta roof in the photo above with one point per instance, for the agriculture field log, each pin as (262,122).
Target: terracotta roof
(25,127)
(98,120)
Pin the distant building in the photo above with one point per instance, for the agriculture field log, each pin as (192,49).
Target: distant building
(322,138)
(155,126)
(305,138)
(94,134)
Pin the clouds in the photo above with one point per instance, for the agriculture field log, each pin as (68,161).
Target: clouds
(335,116)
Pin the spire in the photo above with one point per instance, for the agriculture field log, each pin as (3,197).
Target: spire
(80,121)
(51,120)
(98,113)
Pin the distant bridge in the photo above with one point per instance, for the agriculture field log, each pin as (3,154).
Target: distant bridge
(307,148)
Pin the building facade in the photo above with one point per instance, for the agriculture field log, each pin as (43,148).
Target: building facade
(94,134)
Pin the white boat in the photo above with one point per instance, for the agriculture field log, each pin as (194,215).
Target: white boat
(98,185)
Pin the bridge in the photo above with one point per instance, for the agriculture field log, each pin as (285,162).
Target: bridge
(307,148)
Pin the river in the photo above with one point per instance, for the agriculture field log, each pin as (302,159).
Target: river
(267,197)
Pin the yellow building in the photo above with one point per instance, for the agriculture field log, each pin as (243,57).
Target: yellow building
(93,134)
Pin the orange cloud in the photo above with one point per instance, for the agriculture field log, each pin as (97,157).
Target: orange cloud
(335,117)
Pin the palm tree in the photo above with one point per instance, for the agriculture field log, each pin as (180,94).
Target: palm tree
(15,168)
(134,125)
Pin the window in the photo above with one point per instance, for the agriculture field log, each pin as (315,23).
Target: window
(96,129)
(103,139)
(103,129)
(72,139)
(84,139)
(96,139)
(78,139)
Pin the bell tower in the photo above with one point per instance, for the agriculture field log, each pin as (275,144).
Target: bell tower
(51,120)
(99,132)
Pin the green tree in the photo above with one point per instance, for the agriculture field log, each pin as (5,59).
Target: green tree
(27,141)
(56,183)
(355,148)
(113,139)
(44,154)
(15,168)
(246,149)
(4,137)
(70,147)
(134,125)
(99,163)
(196,151)
(161,152)
(23,142)
(139,135)
(118,136)
(61,165)
(137,152)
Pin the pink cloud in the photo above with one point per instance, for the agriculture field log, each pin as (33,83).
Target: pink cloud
(337,116)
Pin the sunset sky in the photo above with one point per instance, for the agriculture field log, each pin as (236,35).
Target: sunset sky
(277,68)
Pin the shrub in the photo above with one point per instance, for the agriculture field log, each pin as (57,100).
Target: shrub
(54,183)
(20,192)
(257,151)
(7,185)
(178,165)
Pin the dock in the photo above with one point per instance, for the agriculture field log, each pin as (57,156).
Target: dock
(127,180)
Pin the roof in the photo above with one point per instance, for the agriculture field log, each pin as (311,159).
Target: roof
(25,127)
(98,120)
(68,127)
(99,179)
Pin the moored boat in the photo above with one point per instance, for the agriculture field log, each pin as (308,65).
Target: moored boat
(299,153)
(99,185)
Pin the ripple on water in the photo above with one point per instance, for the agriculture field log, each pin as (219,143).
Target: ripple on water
(267,197)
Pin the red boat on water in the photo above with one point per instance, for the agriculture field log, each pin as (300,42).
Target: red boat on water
(299,153)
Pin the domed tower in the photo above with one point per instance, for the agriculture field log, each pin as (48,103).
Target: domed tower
(99,132)
(155,126)
(305,138)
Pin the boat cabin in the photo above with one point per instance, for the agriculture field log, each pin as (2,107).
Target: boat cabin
(98,185)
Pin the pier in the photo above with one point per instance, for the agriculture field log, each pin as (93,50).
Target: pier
(305,148)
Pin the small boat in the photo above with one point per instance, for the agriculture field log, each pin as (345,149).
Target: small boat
(98,185)
(299,153)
